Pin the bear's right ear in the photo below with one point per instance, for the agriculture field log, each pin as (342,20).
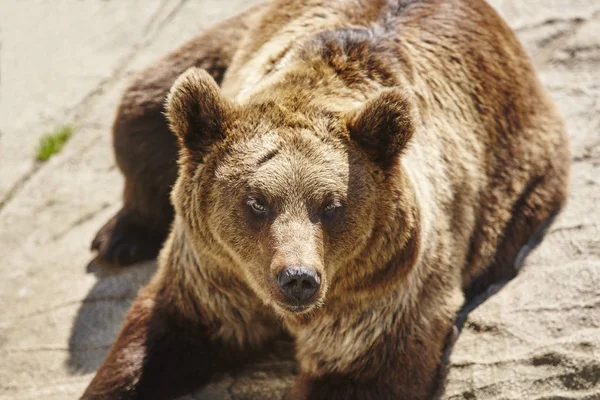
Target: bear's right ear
(197,112)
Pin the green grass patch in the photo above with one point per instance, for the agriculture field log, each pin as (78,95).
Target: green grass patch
(52,143)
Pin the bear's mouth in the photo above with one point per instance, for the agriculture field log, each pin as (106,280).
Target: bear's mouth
(295,308)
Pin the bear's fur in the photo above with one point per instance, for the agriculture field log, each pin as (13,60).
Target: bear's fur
(403,149)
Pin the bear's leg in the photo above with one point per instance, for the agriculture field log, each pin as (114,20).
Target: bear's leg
(533,213)
(397,354)
(342,388)
(411,375)
(158,356)
(146,151)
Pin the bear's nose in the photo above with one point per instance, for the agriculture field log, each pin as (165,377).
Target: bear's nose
(298,283)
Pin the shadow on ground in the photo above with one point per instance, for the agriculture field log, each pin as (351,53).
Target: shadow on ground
(102,312)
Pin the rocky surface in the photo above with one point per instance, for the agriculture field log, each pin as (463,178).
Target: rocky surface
(67,62)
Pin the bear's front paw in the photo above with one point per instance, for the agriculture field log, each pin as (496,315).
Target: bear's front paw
(122,242)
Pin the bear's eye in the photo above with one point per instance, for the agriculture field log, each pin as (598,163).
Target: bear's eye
(330,210)
(257,207)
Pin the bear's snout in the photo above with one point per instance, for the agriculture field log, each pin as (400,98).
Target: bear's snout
(298,284)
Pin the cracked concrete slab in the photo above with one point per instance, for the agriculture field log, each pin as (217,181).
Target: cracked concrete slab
(68,61)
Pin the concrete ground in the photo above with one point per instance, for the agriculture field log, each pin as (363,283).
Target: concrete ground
(68,61)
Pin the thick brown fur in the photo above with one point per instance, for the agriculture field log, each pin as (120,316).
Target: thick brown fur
(403,149)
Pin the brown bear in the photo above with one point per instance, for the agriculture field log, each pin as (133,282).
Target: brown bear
(363,167)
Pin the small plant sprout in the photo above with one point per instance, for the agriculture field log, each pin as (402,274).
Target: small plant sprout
(52,143)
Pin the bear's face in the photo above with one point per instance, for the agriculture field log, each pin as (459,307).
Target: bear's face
(286,199)
(290,197)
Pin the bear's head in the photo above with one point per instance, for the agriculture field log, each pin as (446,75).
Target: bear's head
(289,196)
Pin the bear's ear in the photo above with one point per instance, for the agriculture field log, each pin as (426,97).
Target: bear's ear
(197,112)
(383,126)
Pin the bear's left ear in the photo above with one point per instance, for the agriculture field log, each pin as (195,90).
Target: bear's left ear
(383,127)
(197,112)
